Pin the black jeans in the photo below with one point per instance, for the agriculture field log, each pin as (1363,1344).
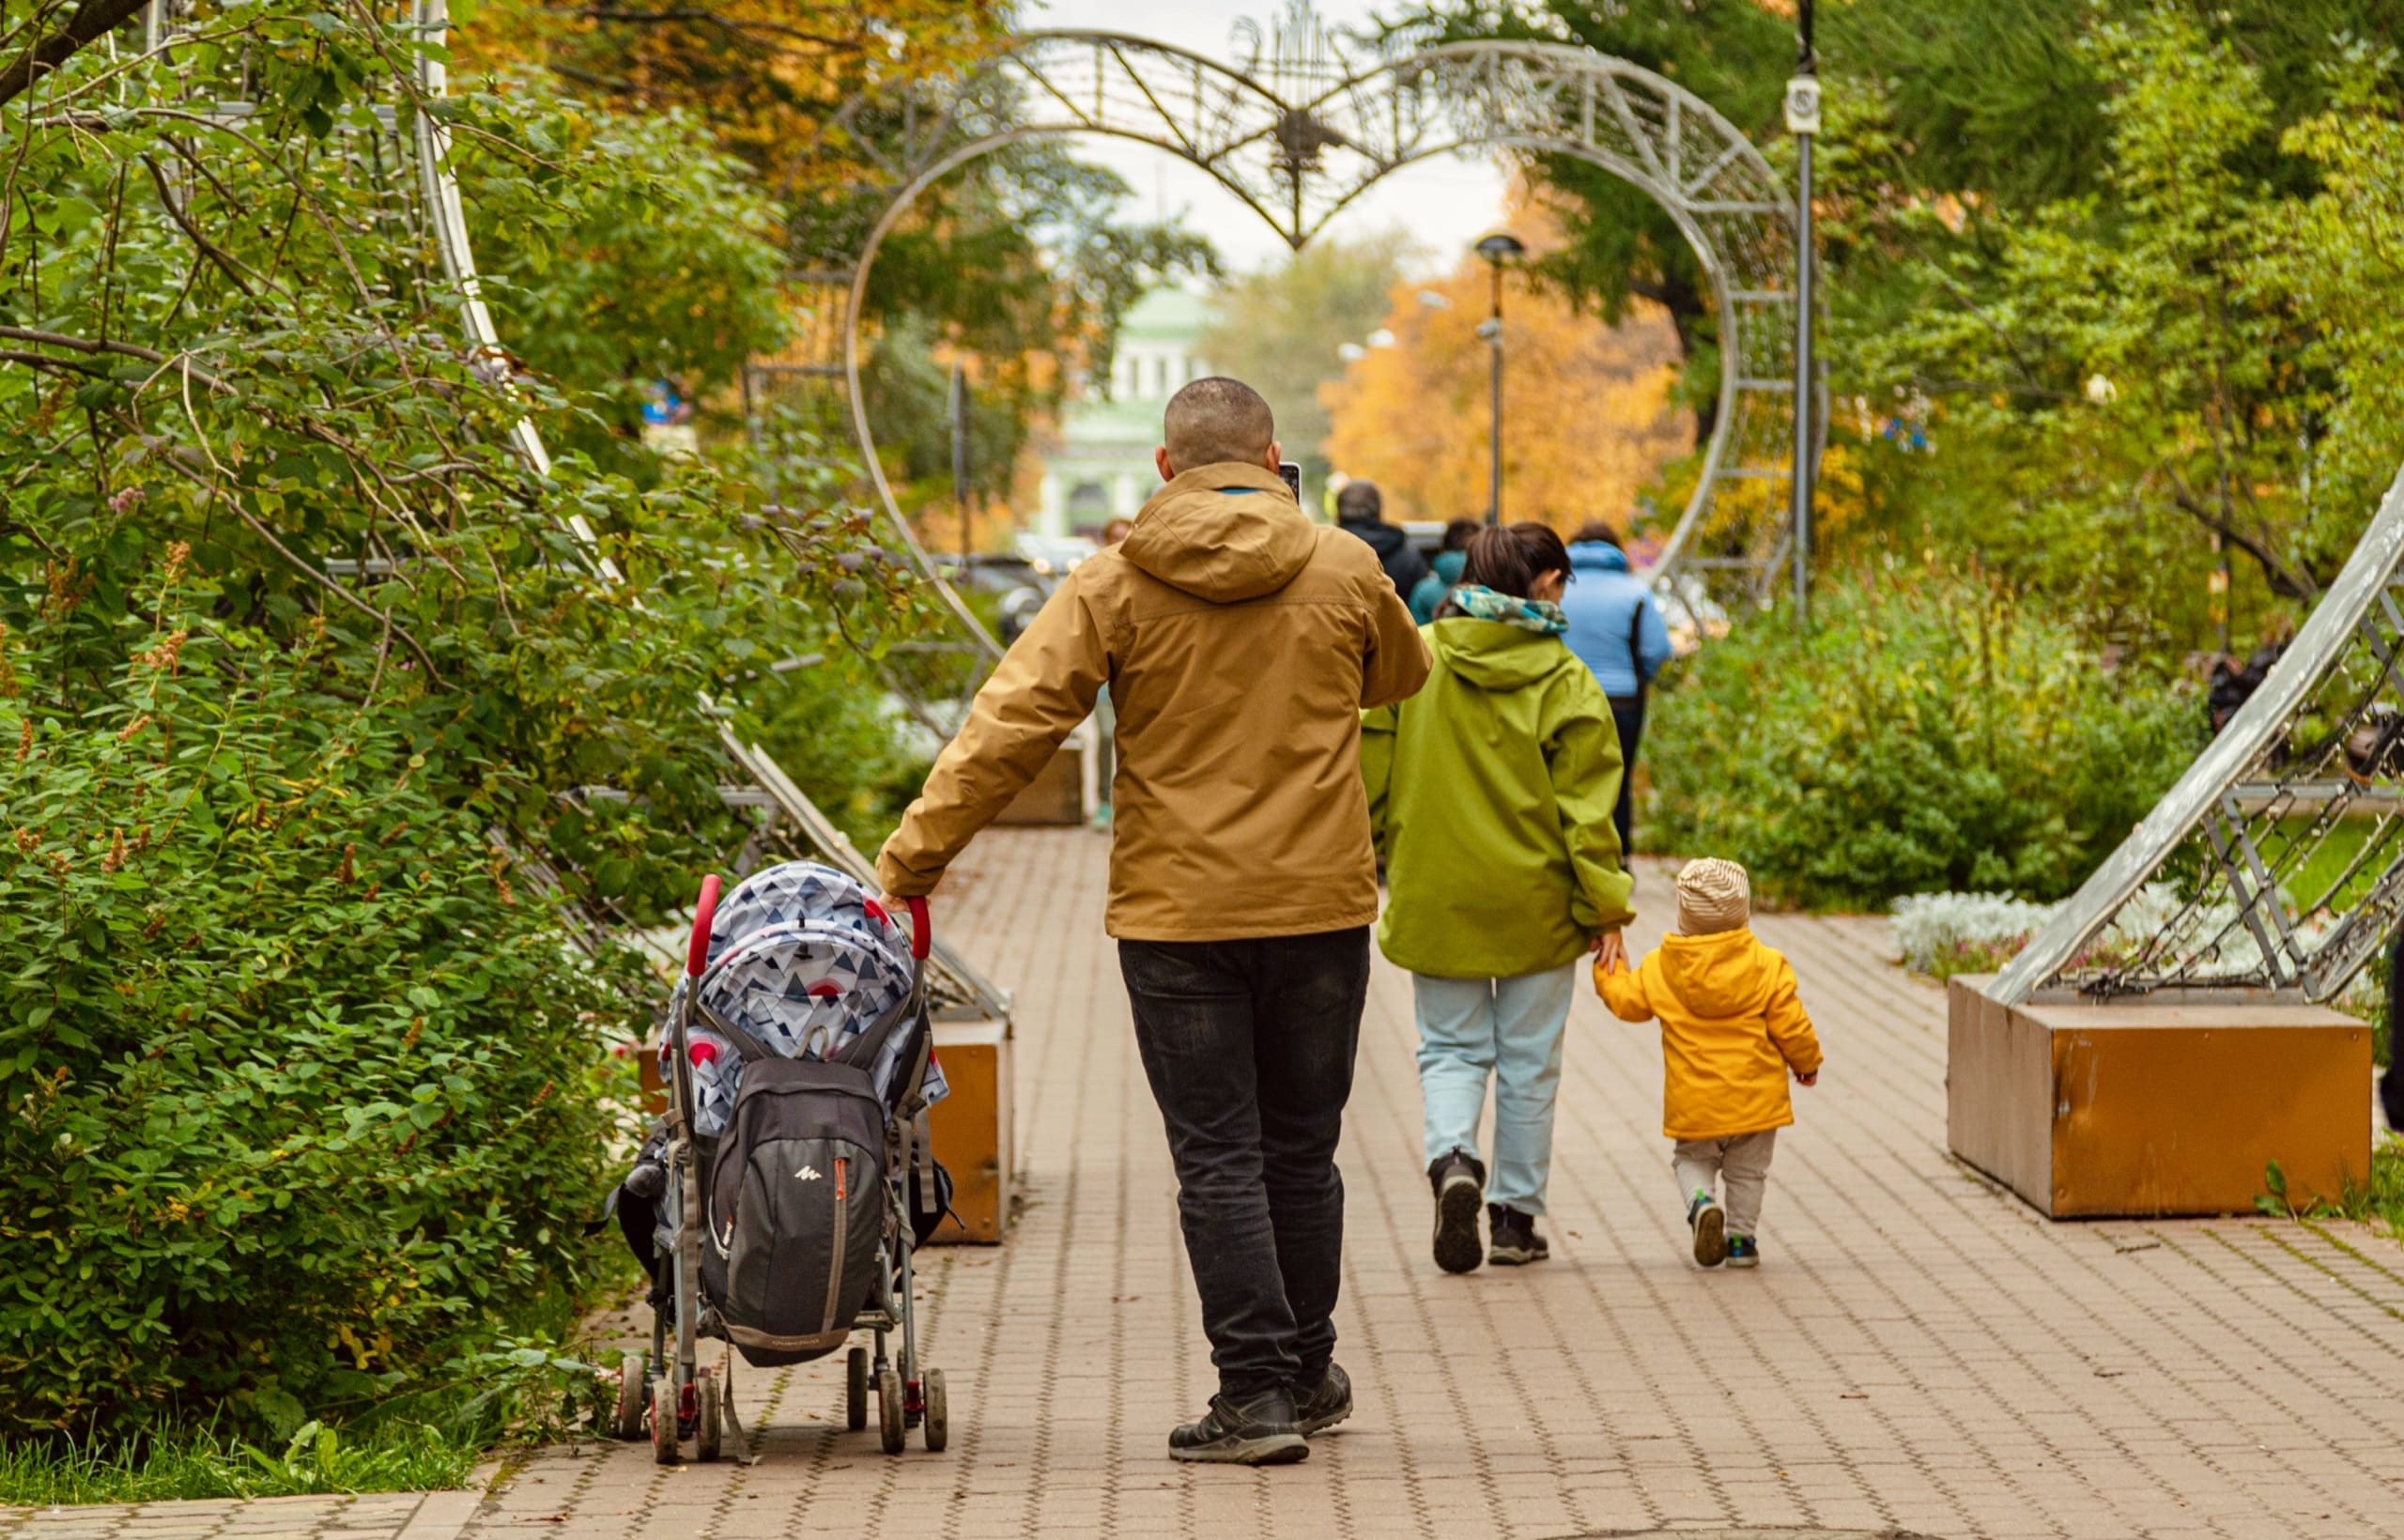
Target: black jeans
(1249,1047)
(1627,714)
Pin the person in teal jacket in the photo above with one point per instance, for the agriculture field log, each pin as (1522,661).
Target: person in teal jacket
(1444,573)
(1490,795)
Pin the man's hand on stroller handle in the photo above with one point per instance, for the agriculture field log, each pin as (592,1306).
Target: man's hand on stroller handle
(922,933)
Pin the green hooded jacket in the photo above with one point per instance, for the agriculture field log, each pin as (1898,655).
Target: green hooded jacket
(1490,796)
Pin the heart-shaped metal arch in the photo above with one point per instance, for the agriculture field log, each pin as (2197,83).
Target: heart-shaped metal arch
(1299,141)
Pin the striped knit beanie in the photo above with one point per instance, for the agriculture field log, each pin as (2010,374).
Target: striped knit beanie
(1713,896)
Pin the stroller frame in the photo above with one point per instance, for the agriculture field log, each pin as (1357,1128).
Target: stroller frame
(689,1399)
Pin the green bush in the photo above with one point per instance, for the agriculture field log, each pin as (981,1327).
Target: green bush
(1927,734)
(303,1097)
(303,1086)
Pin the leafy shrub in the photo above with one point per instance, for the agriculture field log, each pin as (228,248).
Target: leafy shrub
(1926,734)
(304,1090)
(1945,933)
(302,1086)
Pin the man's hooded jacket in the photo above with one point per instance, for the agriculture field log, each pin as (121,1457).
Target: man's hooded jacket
(1240,643)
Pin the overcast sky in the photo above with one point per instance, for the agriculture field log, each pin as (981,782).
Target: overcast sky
(1444,204)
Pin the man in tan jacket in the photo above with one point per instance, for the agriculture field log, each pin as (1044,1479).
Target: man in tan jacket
(1240,643)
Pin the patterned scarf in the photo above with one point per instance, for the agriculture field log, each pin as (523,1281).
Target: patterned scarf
(1484,604)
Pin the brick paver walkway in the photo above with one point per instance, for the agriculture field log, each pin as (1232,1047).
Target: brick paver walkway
(1919,1352)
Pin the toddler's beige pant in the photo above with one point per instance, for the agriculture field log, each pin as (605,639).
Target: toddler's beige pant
(1743,1161)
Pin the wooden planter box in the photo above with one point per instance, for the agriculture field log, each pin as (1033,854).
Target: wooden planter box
(2154,1107)
(973,1129)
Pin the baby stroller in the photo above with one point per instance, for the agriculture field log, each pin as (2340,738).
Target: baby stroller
(778,1201)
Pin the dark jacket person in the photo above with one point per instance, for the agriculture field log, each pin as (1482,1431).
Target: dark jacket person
(1359,511)
(1240,643)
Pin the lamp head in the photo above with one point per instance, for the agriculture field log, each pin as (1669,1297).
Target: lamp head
(1502,246)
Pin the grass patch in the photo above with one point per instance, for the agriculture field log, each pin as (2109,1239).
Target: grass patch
(513,1393)
(2378,1200)
(186,1463)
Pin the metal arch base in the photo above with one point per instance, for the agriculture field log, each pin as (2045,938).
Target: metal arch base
(1299,137)
(2285,838)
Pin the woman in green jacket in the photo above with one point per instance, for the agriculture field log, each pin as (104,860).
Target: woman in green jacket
(1490,796)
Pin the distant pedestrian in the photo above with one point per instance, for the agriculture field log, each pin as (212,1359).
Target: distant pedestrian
(1445,575)
(1489,793)
(1241,642)
(1733,1028)
(1617,630)
(1105,717)
(1359,510)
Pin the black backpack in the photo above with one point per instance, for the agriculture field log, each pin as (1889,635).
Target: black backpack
(793,1212)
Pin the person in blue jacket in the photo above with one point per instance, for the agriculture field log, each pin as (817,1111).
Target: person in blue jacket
(1617,631)
(1438,585)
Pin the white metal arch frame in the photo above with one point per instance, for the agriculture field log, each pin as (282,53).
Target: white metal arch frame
(2276,863)
(1299,137)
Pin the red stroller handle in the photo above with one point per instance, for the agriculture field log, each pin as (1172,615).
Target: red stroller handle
(696,956)
(922,933)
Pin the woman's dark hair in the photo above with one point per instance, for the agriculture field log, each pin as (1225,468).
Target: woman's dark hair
(1459,532)
(1511,557)
(1595,532)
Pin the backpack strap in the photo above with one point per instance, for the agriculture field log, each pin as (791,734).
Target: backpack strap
(1635,645)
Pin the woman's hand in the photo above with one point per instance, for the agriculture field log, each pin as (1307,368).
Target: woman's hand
(1610,953)
(1811,1079)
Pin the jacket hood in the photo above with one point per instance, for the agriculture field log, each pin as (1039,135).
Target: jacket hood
(1448,565)
(1384,538)
(1718,974)
(1223,532)
(1494,656)
(1594,556)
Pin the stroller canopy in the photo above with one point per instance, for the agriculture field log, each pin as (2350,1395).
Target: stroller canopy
(804,959)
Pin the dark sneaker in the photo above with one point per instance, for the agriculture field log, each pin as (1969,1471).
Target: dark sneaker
(1744,1251)
(1512,1239)
(1257,1430)
(1460,1187)
(1710,1223)
(1327,1406)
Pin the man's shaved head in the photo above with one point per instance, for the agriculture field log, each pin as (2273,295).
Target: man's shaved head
(1216,420)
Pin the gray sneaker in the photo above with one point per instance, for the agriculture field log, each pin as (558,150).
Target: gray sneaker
(1327,1406)
(1260,1429)
(1460,1182)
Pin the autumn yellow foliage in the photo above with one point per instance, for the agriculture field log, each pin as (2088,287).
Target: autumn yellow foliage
(1587,416)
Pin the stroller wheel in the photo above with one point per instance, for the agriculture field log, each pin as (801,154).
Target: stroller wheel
(856,1389)
(633,1372)
(938,1424)
(663,1421)
(889,1412)
(709,1422)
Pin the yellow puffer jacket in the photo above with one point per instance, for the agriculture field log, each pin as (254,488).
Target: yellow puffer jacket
(1732,1026)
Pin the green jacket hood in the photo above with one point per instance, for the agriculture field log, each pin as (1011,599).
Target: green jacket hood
(1223,532)
(1494,656)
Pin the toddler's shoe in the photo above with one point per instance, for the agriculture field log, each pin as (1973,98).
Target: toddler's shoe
(1512,1239)
(1744,1251)
(1710,1224)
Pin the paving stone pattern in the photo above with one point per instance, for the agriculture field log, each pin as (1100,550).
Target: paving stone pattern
(1918,1354)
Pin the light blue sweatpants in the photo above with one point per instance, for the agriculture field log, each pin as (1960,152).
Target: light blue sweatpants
(1511,1029)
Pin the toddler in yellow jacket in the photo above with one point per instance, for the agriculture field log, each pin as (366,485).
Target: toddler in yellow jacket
(1732,1028)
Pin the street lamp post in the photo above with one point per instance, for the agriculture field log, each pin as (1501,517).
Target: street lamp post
(959,414)
(1497,248)
(1803,121)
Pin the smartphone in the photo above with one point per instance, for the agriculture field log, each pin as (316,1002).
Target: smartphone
(1293,474)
